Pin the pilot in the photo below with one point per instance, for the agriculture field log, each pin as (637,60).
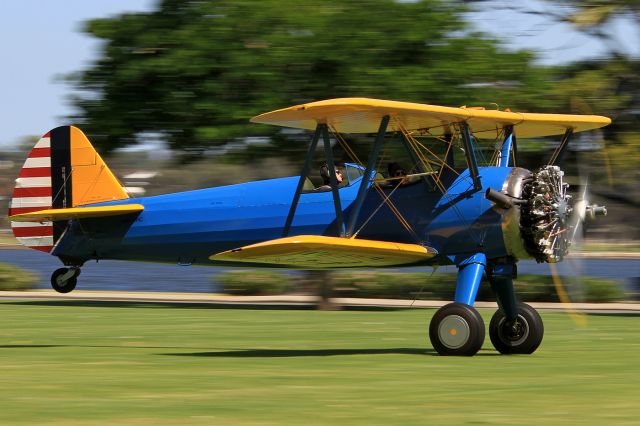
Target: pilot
(326,178)
(397,174)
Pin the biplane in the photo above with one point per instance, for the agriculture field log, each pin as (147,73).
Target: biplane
(447,210)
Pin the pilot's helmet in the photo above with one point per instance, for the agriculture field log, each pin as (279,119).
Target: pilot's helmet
(324,173)
(396,170)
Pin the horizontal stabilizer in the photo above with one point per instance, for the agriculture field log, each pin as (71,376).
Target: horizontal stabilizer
(319,252)
(50,215)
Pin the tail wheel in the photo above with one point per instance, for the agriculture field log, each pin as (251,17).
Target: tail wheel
(64,280)
(522,336)
(457,329)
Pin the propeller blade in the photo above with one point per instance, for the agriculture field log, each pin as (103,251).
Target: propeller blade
(579,214)
(572,286)
(579,318)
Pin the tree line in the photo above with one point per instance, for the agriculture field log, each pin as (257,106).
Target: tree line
(194,72)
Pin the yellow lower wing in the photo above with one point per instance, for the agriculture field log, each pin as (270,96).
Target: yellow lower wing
(49,215)
(318,252)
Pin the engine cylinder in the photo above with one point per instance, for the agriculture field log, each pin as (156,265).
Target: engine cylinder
(545,215)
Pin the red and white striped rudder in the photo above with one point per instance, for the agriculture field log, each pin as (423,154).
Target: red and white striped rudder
(32,193)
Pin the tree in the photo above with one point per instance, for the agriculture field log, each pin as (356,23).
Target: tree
(194,72)
(594,17)
(613,83)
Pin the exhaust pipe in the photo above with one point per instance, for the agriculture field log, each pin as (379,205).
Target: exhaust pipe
(501,200)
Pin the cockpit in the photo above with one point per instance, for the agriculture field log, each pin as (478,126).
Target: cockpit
(352,173)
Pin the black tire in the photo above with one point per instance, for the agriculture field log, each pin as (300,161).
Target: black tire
(457,329)
(65,286)
(522,338)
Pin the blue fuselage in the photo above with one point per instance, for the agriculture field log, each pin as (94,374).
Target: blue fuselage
(188,227)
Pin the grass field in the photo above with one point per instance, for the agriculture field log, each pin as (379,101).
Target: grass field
(76,363)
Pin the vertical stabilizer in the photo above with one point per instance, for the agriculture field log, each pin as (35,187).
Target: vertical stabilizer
(62,170)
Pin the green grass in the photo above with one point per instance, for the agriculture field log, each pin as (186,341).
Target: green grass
(108,363)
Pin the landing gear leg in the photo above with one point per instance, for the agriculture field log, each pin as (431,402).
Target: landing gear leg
(515,328)
(457,328)
(64,280)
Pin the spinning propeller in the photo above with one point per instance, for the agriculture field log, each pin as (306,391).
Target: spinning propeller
(552,224)
(578,213)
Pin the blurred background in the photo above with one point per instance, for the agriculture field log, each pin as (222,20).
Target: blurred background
(165,89)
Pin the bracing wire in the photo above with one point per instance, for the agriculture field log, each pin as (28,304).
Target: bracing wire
(433,271)
(415,144)
(386,198)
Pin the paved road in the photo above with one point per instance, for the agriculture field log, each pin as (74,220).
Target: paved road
(288,300)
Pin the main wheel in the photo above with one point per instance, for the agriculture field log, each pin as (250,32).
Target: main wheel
(457,329)
(61,285)
(522,336)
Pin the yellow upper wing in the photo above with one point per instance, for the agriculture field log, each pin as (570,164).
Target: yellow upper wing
(318,252)
(363,115)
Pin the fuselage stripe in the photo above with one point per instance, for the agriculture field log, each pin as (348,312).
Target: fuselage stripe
(30,224)
(20,210)
(33,182)
(36,241)
(61,167)
(32,193)
(46,249)
(33,231)
(35,172)
(44,142)
(37,162)
(40,152)
(61,176)
(37,191)
(44,202)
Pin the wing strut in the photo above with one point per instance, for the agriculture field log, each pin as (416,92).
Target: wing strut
(561,150)
(303,176)
(368,176)
(508,144)
(321,130)
(472,162)
(328,153)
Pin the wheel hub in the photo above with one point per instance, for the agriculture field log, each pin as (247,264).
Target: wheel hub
(514,332)
(64,278)
(453,331)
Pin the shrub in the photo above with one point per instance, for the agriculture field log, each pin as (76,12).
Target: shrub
(541,288)
(601,290)
(418,285)
(13,278)
(254,282)
(426,286)
(395,285)
(538,288)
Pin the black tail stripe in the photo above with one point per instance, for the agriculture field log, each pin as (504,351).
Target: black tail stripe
(60,172)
